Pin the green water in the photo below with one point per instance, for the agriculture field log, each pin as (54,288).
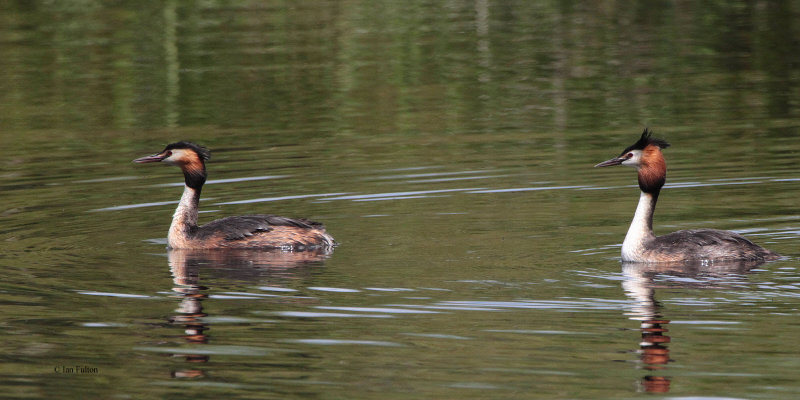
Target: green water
(448,146)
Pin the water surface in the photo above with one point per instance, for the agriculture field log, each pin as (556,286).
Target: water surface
(448,148)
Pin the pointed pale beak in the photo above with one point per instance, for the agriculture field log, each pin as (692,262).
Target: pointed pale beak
(611,162)
(149,159)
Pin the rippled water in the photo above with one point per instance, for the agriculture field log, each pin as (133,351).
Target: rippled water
(448,148)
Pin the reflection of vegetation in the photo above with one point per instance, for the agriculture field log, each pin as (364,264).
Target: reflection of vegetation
(373,75)
(393,67)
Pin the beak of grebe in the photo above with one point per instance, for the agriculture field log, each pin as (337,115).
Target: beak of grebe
(611,162)
(154,158)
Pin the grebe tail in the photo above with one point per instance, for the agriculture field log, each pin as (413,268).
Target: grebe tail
(249,231)
(642,245)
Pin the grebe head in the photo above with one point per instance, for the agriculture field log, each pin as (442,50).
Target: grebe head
(639,154)
(179,153)
(188,156)
(644,155)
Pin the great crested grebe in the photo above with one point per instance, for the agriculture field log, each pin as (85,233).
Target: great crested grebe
(244,232)
(641,245)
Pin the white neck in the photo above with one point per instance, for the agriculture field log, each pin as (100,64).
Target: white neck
(184,219)
(641,229)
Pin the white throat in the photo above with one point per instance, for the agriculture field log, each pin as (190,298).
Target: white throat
(640,231)
(184,219)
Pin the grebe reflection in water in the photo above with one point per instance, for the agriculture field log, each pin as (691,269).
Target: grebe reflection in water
(271,269)
(640,285)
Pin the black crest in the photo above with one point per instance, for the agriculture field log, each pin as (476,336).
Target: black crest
(645,141)
(201,151)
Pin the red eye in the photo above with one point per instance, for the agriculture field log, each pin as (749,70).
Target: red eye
(169,153)
(629,155)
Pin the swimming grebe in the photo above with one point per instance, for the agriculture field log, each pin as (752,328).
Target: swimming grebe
(249,231)
(641,245)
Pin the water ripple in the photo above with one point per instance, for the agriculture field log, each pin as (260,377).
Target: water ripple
(437,336)
(592,304)
(535,332)
(109,294)
(276,289)
(388,310)
(250,295)
(461,178)
(333,289)
(207,349)
(140,205)
(109,179)
(396,194)
(230,180)
(278,198)
(706,322)
(430,174)
(528,189)
(328,342)
(440,307)
(395,198)
(311,314)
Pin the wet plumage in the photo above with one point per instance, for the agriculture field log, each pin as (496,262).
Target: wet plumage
(706,244)
(248,231)
(265,231)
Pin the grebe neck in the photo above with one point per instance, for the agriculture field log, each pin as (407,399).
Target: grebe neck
(652,174)
(184,221)
(641,230)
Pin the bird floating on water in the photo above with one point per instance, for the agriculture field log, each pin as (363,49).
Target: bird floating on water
(242,232)
(641,245)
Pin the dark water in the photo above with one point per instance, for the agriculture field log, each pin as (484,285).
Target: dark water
(448,147)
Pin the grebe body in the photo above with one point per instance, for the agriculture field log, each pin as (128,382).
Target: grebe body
(243,232)
(642,245)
